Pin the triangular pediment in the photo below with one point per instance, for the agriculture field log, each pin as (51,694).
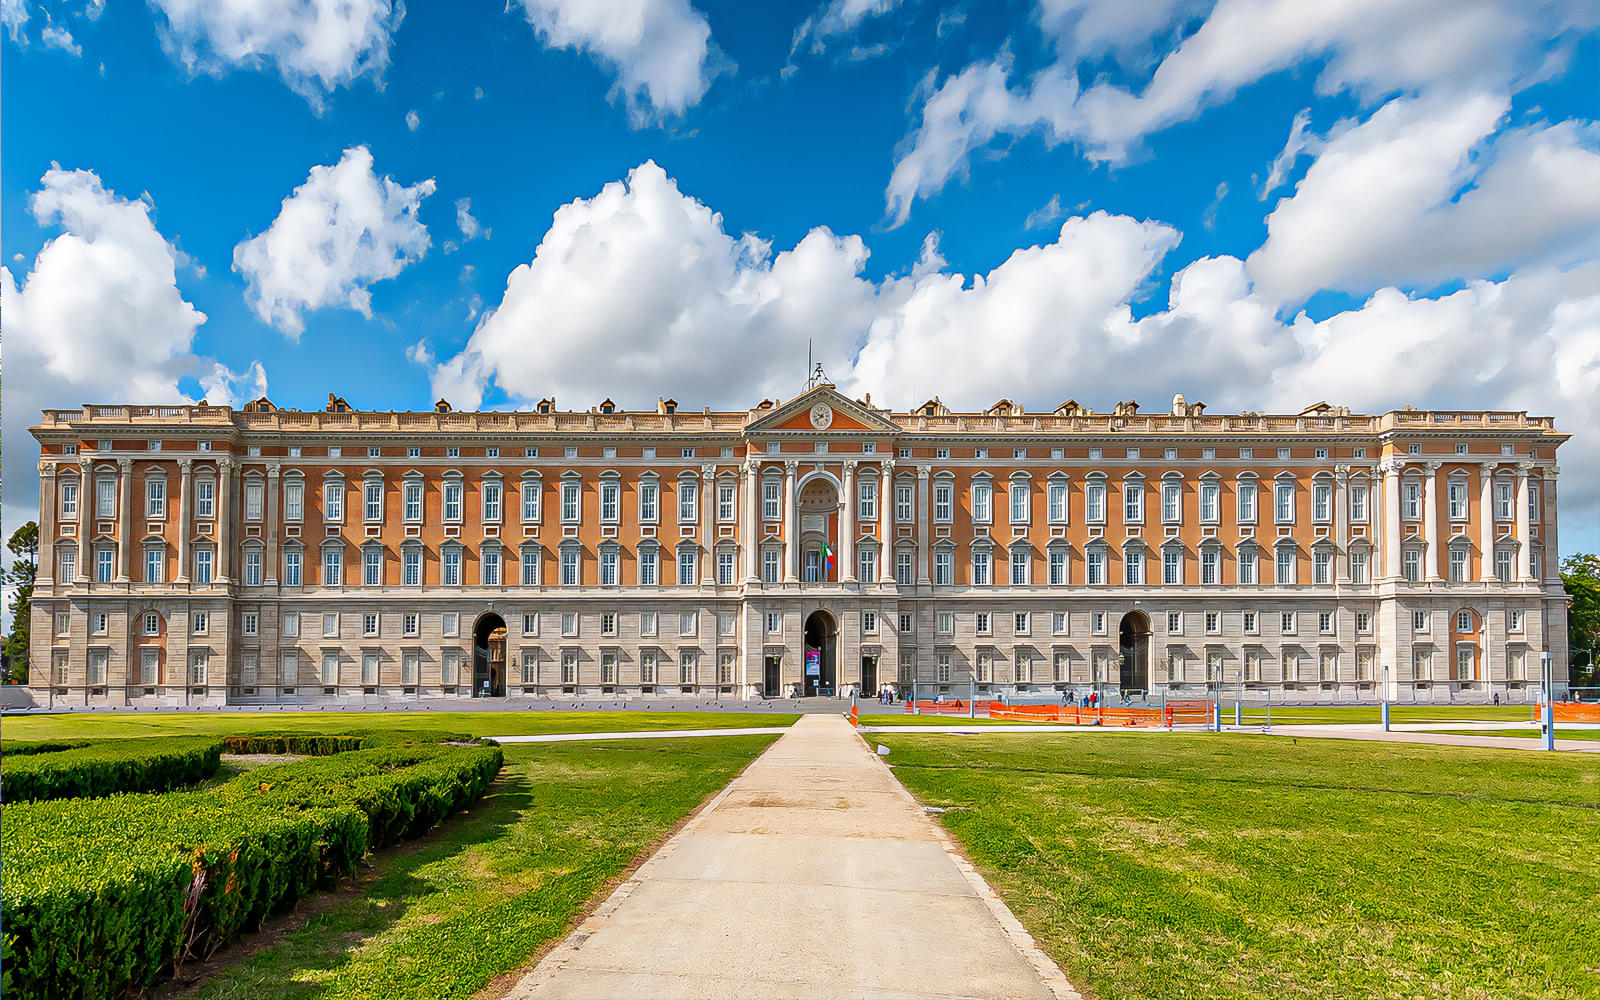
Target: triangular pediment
(844,415)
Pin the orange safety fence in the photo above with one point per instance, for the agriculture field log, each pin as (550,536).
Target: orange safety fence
(1174,713)
(1576,711)
(948,707)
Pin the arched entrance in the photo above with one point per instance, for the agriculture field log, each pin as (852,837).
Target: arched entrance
(821,660)
(489,657)
(819,510)
(1133,637)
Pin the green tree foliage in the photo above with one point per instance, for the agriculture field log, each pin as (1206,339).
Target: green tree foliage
(1581,575)
(24,546)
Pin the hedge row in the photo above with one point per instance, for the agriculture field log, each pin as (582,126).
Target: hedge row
(105,895)
(150,764)
(10,747)
(321,745)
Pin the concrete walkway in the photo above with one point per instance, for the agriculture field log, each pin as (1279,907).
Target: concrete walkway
(813,875)
(639,734)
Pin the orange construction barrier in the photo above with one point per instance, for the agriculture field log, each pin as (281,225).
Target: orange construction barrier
(855,716)
(1576,711)
(1180,713)
(948,707)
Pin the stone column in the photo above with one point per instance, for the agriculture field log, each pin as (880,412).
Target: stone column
(1524,531)
(924,533)
(86,533)
(46,574)
(224,520)
(271,568)
(1391,517)
(1552,547)
(1341,524)
(1486,521)
(749,523)
(847,527)
(185,485)
(708,524)
(125,535)
(1430,521)
(791,523)
(886,521)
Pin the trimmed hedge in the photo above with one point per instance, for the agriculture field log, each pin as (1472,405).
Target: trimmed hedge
(40,746)
(105,895)
(150,764)
(321,745)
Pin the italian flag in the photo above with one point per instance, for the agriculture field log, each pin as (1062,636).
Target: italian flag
(827,553)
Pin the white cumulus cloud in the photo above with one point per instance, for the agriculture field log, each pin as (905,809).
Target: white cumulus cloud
(98,319)
(833,20)
(660,51)
(413,120)
(338,233)
(316,46)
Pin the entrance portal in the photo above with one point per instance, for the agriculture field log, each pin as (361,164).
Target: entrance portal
(869,676)
(1134,637)
(489,657)
(770,676)
(821,655)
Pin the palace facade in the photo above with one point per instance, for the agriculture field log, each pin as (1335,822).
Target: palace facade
(208,555)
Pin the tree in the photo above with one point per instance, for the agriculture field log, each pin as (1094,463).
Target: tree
(1580,574)
(24,545)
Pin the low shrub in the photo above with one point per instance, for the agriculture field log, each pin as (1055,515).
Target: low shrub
(151,764)
(137,883)
(322,745)
(9,747)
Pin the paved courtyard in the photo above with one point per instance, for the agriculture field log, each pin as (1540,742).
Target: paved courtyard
(814,874)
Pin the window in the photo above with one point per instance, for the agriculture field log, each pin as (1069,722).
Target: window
(104,563)
(153,445)
(1171,566)
(980,568)
(199,661)
(452,500)
(1322,502)
(727,494)
(941,453)
(608,623)
(1020,559)
(1247,502)
(1213,623)
(530,623)
(1247,565)
(413,451)
(1456,498)
(291,567)
(1358,566)
(249,623)
(569,565)
(155,564)
(1363,622)
(199,623)
(1058,567)
(725,566)
(290,624)
(945,623)
(869,447)
(155,497)
(1095,502)
(491,503)
(452,452)
(944,562)
(489,565)
(333,566)
(411,495)
(369,624)
(450,565)
(903,567)
(1058,623)
(1174,622)
(1286,623)
(688,501)
(569,624)
(450,623)
(771,499)
(411,566)
(1325,622)
(610,501)
(608,667)
(1421,664)
(333,501)
(410,625)
(904,497)
(530,501)
(67,571)
(330,625)
(371,566)
(1458,563)
(1321,454)
(1502,565)
(866,565)
(1097,623)
(1095,567)
(1021,509)
(1209,495)
(769,564)
(1283,503)
(570,451)
(943,494)
(294,497)
(105,498)
(774,621)
(1419,621)
(869,622)
(1132,568)
(1358,503)
(1210,571)
(569,501)
(1056,501)
(1463,621)
(1411,500)
(688,623)
(450,666)
(686,666)
(1322,566)
(866,500)
(687,453)
(1514,621)
(1285,567)
(1133,503)
(1171,502)
(1411,565)
(688,560)
(980,453)
(202,565)
(205,499)
(1251,623)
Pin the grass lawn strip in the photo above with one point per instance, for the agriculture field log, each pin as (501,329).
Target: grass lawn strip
(1234,867)
(333,723)
(490,891)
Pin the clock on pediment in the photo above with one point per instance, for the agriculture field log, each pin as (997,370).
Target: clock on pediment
(822,416)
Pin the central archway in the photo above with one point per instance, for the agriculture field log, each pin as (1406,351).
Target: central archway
(1133,637)
(821,660)
(489,656)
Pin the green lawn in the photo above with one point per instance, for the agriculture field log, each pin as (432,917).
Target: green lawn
(75,725)
(1245,867)
(483,894)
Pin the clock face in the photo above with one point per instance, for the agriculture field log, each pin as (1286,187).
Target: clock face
(821,416)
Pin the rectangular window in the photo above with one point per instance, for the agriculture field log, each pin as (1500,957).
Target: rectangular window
(205,499)
(450,623)
(866,500)
(333,501)
(774,621)
(1095,567)
(199,622)
(530,623)
(1133,503)
(1456,495)
(452,500)
(249,623)
(155,564)
(1247,502)
(1358,566)
(105,498)
(1171,503)
(69,501)
(372,566)
(1514,621)
(866,565)
(491,503)
(372,501)
(291,624)
(727,495)
(1021,557)
(1504,498)
(408,666)
(569,624)
(869,622)
(1286,622)
(1210,566)
(569,566)
(412,493)
(1283,503)
(1411,565)
(1458,564)
(489,566)
(1210,494)
(1174,622)
(1502,565)
(411,625)
(155,494)
(1171,566)
(330,668)
(1095,502)
(941,453)
(569,502)
(944,563)
(1325,622)
(1533,503)
(1021,509)
(1056,501)
(105,560)
(688,559)
(1059,623)
(1213,623)
(1132,568)
(771,499)
(450,566)
(943,494)
(688,501)
(1097,623)
(1247,566)
(369,624)
(770,564)
(330,625)
(1419,621)
(1322,566)
(1321,502)
(202,566)
(1411,500)
(450,666)
(945,623)
(199,663)
(980,569)
(904,562)
(725,567)
(67,570)
(1285,567)
(942,668)
(411,567)
(904,498)
(1251,626)
(247,668)
(1358,503)
(686,667)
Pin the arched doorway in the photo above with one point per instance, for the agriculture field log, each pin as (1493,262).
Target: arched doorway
(821,655)
(1133,637)
(489,657)
(819,507)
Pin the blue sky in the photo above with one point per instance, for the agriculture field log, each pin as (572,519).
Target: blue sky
(656,197)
